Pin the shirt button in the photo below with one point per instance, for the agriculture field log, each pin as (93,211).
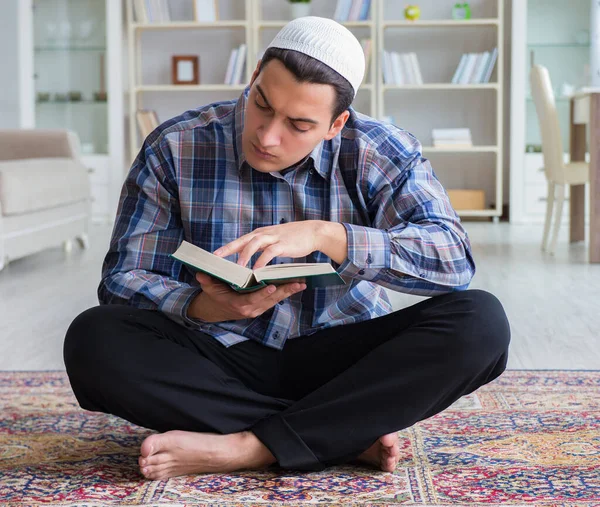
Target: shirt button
(369,259)
(281,302)
(361,272)
(276,334)
(311,171)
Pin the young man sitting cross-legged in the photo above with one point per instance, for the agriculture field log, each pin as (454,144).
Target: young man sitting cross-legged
(303,378)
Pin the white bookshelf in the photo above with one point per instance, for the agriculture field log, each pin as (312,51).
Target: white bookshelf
(141,92)
(437,103)
(479,166)
(439,23)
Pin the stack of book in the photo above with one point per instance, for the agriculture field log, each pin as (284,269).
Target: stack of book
(401,68)
(147,121)
(151,11)
(475,68)
(452,138)
(235,67)
(352,10)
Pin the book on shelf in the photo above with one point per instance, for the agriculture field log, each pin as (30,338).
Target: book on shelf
(236,65)
(475,68)
(367,47)
(352,10)
(206,11)
(151,11)
(243,279)
(139,8)
(490,65)
(401,68)
(230,66)
(147,121)
(240,64)
(452,138)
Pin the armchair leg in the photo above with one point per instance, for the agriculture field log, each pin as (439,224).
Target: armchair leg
(84,241)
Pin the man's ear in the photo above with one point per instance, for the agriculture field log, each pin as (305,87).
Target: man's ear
(255,73)
(337,125)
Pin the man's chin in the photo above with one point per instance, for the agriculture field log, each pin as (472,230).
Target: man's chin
(263,166)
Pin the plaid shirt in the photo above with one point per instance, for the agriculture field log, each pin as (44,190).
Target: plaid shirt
(190,181)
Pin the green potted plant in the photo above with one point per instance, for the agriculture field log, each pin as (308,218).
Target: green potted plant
(299,8)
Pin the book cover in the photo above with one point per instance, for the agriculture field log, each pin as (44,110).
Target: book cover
(231,66)
(468,69)
(459,69)
(490,66)
(238,71)
(355,9)
(481,67)
(243,279)
(407,69)
(345,10)
(139,7)
(397,71)
(364,13)
(416,68)
(366,46)
(386,67)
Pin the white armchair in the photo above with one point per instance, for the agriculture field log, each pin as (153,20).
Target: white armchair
(44,192)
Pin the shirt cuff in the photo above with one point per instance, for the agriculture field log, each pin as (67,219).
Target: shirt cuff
(368,252)
(175,306)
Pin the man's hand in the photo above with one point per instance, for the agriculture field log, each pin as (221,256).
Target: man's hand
(218,302)
(294,239)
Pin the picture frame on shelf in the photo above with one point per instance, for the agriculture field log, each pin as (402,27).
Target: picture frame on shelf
(206,11)
(185,70)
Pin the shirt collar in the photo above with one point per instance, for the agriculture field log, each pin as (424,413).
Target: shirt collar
(320,158)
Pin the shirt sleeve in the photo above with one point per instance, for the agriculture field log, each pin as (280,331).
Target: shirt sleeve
(138,269)
(415,242)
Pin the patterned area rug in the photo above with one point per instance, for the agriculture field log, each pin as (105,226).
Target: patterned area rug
(529,438)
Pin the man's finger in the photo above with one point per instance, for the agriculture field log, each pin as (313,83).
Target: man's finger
(234,246)
(268,255)
(254,245)
(285,291)
(207,280)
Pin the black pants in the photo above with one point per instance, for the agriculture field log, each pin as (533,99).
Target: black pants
(320,401)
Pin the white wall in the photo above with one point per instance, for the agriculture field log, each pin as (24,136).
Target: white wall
(9,56)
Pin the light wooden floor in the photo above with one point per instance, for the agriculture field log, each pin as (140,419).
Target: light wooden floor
(553,303)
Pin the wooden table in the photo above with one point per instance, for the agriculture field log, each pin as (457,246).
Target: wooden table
(585,124)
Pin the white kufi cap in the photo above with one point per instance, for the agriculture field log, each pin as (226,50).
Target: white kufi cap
(327,41)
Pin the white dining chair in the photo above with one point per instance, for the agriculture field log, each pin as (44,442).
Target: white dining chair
(558,173)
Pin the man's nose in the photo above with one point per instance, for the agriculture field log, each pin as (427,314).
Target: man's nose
(269,134)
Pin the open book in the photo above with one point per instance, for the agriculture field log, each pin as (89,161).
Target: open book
(243,279)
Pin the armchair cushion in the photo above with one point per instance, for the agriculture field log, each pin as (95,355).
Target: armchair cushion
(34,184)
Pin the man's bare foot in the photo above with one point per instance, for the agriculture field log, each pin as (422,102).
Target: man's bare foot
(384,454)
(176,453)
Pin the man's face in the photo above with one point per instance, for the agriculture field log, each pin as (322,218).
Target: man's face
(286,119)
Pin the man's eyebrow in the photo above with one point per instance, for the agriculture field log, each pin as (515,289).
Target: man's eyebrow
(264,97)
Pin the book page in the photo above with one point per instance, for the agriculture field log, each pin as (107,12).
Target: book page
(292,270)
(213,264)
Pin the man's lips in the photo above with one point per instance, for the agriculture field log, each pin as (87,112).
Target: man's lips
(263,153)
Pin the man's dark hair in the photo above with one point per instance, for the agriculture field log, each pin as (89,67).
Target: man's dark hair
(307,69)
